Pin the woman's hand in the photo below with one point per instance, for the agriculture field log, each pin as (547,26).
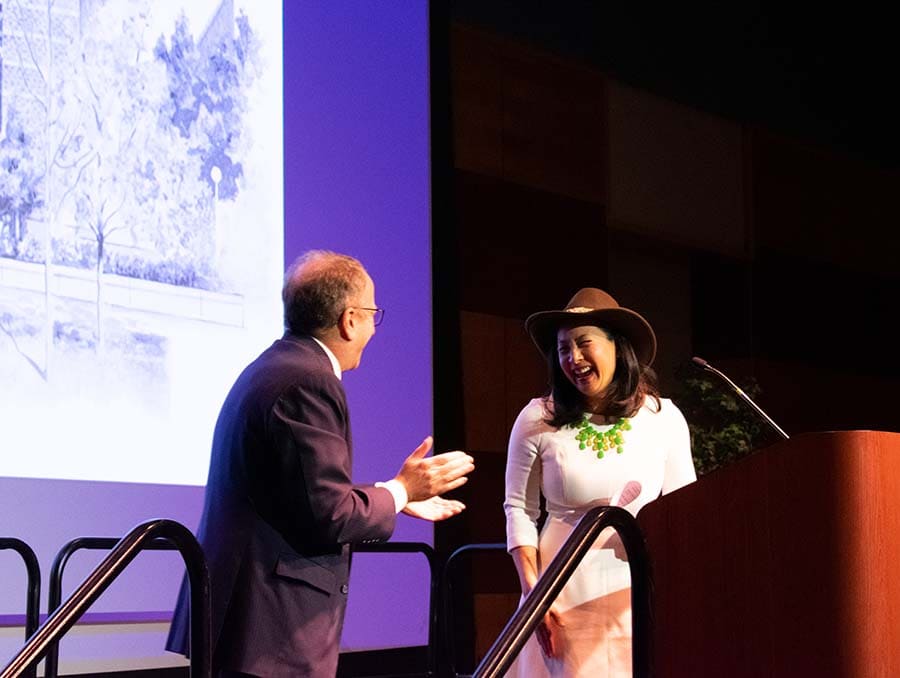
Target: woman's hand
(548,635)
(525,559)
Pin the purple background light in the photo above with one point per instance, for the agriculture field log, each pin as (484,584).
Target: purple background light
(356,165)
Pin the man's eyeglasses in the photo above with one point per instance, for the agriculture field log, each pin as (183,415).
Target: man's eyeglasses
(377,314)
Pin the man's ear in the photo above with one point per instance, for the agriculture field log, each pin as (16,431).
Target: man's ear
(347,325)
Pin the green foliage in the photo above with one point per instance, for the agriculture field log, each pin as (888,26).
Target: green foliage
(723,427)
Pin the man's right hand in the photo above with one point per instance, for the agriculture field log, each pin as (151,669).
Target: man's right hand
(426,477)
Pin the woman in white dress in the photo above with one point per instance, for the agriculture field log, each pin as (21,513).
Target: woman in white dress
(602,435)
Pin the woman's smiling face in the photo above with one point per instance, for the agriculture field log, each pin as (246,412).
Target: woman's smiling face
(587,356)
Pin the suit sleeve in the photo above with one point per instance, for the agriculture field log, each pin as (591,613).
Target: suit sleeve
(308,485)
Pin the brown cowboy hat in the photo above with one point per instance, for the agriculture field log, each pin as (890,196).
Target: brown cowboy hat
(591,306)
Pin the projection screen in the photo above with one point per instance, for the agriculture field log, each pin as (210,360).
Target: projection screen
(160,164)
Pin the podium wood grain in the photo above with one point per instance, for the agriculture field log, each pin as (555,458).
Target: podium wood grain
(783,564)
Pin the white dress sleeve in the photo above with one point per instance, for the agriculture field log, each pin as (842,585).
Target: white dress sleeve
(523,477)
(679,461)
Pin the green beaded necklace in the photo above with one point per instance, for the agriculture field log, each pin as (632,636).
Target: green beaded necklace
(600,441)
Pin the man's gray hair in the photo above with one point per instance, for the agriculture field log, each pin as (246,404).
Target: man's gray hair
(318,286)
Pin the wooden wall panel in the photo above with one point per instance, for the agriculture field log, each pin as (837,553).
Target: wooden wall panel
(484,381)
(815,203)
(554,127)
(525,116)
(654,279)
(522,249)
(675,173)
(492,610)
(526,374)
(477,77)
(502,370)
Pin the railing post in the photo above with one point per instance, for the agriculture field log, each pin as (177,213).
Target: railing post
(33,592)
(447,653)
(431,557)
(54,595)
(54,583)
(198,576)
(67,614)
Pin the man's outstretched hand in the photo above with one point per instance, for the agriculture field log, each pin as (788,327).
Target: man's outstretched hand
(426,477)
(434,509)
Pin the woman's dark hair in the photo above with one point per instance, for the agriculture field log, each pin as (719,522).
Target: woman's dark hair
(632,383)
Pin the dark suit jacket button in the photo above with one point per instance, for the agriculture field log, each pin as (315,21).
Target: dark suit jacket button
(344,588)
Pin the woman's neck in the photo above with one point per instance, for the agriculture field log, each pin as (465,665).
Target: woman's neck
(597,407)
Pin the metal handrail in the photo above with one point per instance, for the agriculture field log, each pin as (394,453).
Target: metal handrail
(126,549)
(431,556)
(33,593)
(54,584)
(54,592)
(535,606)
(449,645)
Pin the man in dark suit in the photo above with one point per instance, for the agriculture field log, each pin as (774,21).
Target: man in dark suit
(281,511)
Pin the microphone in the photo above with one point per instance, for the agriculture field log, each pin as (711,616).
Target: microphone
(703,365)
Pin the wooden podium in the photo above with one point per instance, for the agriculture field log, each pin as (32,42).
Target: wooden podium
(786,563)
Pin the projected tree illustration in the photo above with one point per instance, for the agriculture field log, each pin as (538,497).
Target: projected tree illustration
(140,218)
(116,148)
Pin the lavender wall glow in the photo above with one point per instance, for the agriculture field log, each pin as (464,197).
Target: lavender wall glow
(356,164)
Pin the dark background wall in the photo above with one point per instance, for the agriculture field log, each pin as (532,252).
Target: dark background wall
(731,173)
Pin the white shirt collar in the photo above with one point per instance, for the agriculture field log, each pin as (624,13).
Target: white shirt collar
(335,365)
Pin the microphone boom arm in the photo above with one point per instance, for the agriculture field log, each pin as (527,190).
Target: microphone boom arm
(702,364)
